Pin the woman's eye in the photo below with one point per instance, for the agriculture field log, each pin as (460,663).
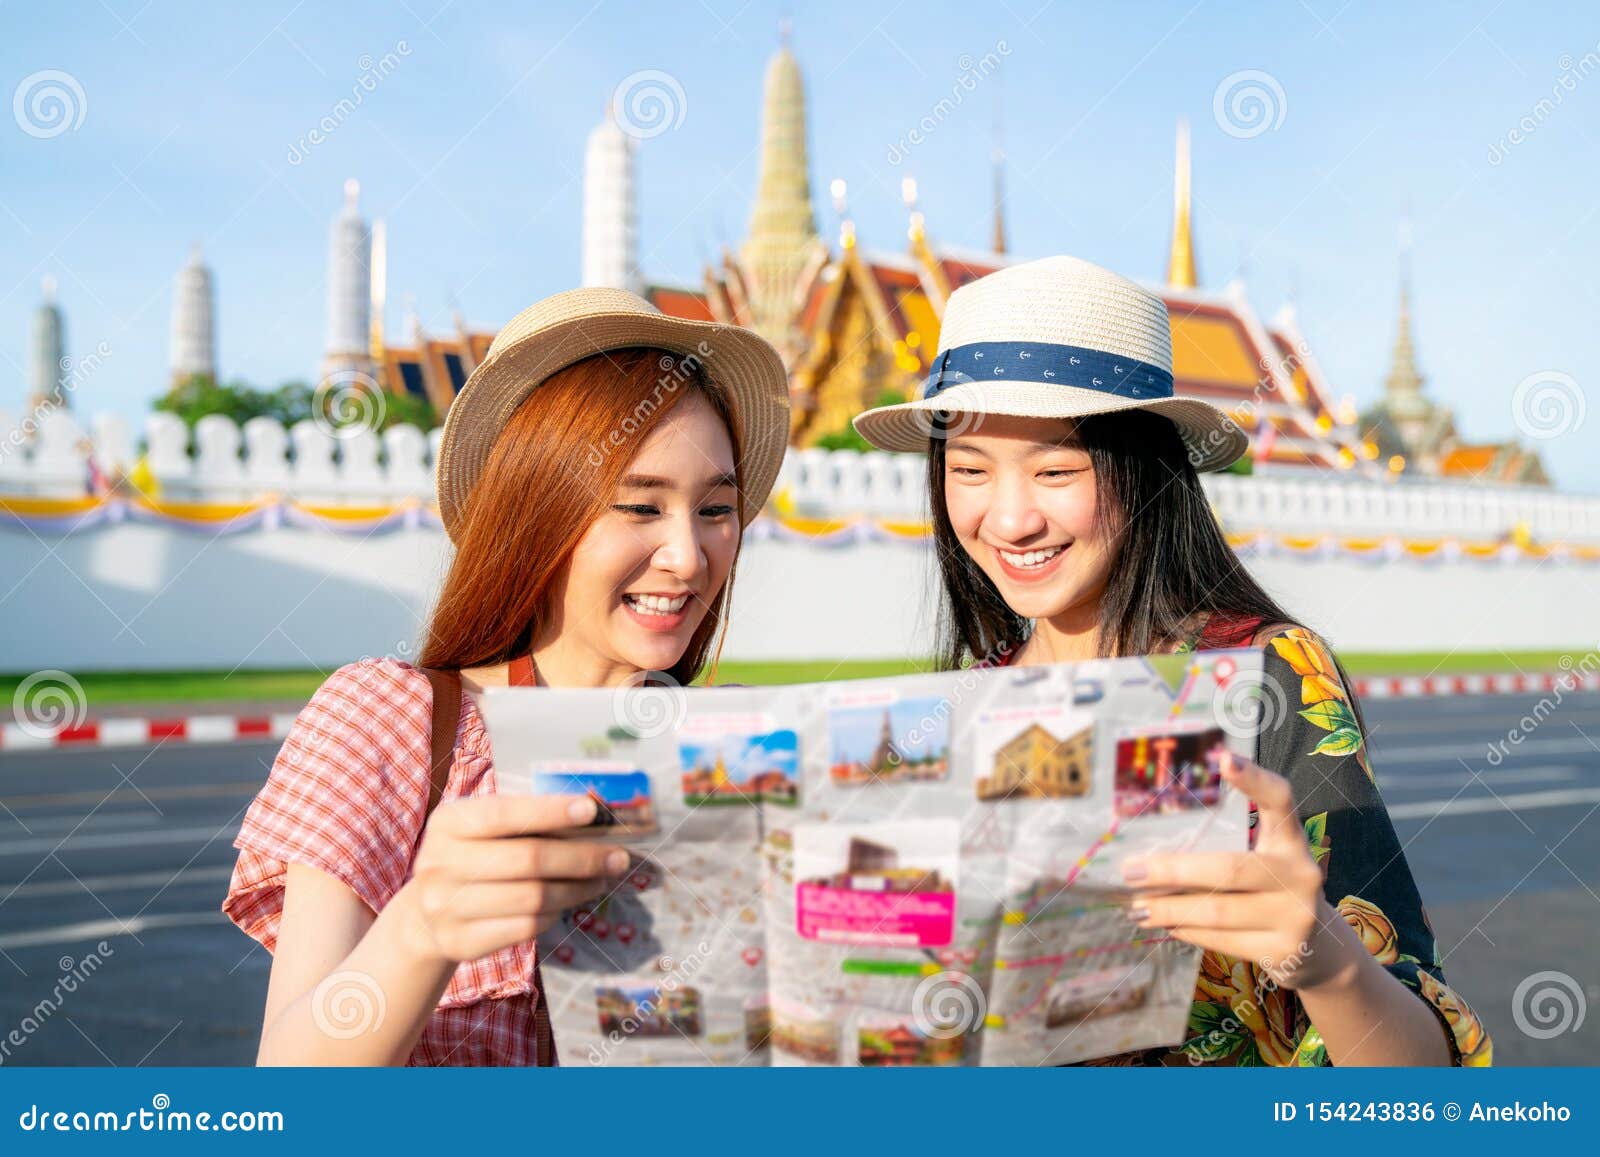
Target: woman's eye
(638,509)
(966,471)
(1059,472)
(722,510)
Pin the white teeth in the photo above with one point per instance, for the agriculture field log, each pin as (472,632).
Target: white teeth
(656,604)
(1030,558)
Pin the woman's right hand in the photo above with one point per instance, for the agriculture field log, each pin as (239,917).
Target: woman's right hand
(489,875)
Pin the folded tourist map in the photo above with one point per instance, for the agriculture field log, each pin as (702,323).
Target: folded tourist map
(917,870)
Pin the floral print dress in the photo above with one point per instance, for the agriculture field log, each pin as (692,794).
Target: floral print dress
(1240,1016)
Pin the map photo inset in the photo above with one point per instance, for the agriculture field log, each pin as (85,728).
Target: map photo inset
(907,741)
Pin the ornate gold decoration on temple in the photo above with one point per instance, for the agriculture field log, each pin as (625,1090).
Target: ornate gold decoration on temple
(859,326)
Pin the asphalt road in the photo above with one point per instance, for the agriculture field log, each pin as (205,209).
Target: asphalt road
(134,848)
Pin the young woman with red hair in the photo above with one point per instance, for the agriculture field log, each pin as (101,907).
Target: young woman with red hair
(595,475)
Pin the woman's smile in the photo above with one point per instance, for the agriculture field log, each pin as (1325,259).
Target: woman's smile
(1030,566)
(662,613)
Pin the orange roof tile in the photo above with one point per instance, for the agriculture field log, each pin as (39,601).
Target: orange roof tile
(1469,460)
(675,302)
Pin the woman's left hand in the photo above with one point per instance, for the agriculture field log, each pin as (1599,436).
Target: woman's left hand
(1265,905)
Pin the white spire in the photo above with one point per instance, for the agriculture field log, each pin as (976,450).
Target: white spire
(349,285)
(610,222)
(194,348)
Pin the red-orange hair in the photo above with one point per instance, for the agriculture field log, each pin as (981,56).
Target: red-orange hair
(550,475)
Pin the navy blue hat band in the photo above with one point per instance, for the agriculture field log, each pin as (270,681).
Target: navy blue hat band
(1064,365)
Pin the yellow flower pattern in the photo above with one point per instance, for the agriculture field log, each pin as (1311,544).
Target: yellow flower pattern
(1325,702)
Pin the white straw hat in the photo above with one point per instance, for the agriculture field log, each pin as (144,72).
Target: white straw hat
(565,328)
(1057,338)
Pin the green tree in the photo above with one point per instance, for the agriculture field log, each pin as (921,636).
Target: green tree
(197,396)
(847,438)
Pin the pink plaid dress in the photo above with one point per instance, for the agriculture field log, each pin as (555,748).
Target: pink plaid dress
(347,795)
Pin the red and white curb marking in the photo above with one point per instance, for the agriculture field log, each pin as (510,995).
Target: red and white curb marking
(137,732)
(1426,686)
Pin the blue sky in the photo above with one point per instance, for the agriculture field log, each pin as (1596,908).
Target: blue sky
(471,149)
(745,755)
(919,727)
(611,786)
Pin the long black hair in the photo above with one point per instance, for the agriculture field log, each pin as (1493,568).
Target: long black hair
(1170,561)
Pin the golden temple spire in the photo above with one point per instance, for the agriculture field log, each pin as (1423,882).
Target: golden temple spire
(998,243)
(1180,263)
(783,229)
(1403,386)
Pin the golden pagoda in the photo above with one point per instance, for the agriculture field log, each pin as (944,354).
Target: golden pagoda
(1406,425)
(1180,263)
(858,326)
(782,239)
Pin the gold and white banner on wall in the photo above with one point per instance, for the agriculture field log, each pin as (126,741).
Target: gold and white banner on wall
(56,517)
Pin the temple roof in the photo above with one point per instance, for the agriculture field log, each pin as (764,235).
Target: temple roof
(1222,351)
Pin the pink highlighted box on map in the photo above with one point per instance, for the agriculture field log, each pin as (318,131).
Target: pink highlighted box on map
(848,916)
(891,883)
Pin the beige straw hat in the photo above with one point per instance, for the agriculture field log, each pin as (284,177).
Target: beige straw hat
(567,327)
(1057,338)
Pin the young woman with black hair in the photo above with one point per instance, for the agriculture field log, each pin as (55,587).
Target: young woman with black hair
(1070,523)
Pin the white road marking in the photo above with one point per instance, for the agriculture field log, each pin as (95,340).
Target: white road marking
(99,821)
(1461,777)
(1432,753)
(1477,804)
(102,929)
(98,884)
(116,840)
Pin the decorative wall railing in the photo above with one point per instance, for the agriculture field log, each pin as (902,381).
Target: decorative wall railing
(221,462)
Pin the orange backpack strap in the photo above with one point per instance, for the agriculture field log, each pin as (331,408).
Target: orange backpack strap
(446,718)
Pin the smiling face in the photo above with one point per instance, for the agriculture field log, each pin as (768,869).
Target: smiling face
(647,572)
(1022,500)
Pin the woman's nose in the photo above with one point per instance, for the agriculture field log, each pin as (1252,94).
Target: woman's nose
(1015,516)
(680,552)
